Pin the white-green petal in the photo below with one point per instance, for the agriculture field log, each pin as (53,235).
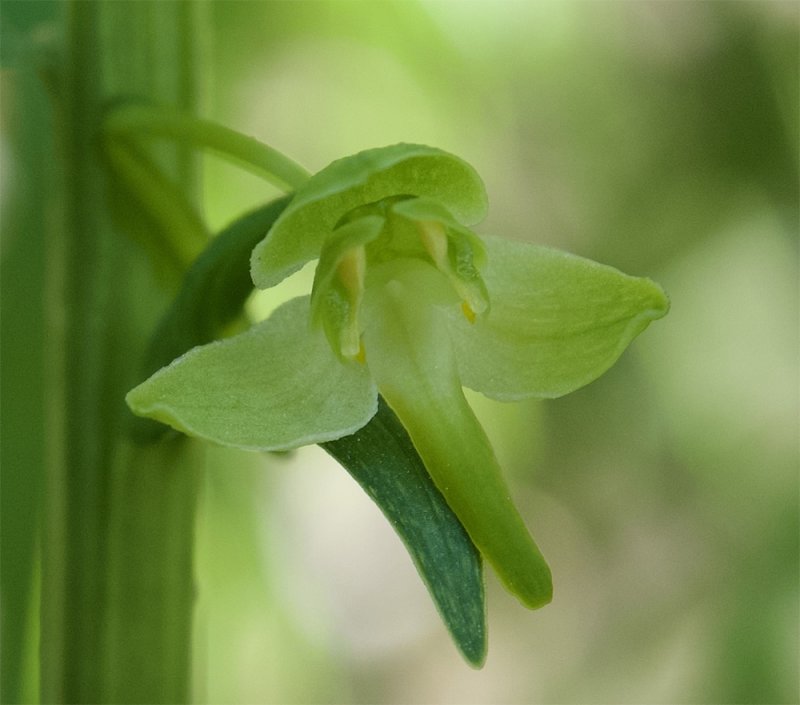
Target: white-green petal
(366,177)
(277,386)
(556,322)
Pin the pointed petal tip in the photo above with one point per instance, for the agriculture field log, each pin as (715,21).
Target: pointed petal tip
(139,400)
(132,400)
(533,586)
(659,300)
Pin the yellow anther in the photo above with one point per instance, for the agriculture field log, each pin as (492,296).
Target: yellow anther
(350,275)
(434,239)
(469,314)
(362,354)
(350,271)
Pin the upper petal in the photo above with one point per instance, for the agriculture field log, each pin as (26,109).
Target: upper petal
(366,177)
(556,322)
(275,387)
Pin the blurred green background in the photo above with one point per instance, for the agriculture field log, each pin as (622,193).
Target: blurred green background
(658,137)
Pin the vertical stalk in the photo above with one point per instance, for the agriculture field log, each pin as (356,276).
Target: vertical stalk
(118,533)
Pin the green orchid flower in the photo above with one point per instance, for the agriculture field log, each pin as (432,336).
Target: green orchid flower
(411,304)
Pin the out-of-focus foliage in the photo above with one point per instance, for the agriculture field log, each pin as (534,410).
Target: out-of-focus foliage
(23,34)
(658,137)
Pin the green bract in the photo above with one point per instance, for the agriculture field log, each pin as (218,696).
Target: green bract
(413,305)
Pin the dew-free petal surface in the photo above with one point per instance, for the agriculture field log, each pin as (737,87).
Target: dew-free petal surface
(366,177)
(275,387)
(556,322)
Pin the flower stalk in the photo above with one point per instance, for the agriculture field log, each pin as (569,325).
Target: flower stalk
(146,122)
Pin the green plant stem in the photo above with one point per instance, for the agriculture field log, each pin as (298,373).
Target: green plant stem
(138,121)
(117,590)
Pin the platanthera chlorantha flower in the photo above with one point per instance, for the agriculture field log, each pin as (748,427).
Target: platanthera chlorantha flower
(409,303)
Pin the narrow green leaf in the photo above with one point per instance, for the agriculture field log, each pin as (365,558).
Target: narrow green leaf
(383,460)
